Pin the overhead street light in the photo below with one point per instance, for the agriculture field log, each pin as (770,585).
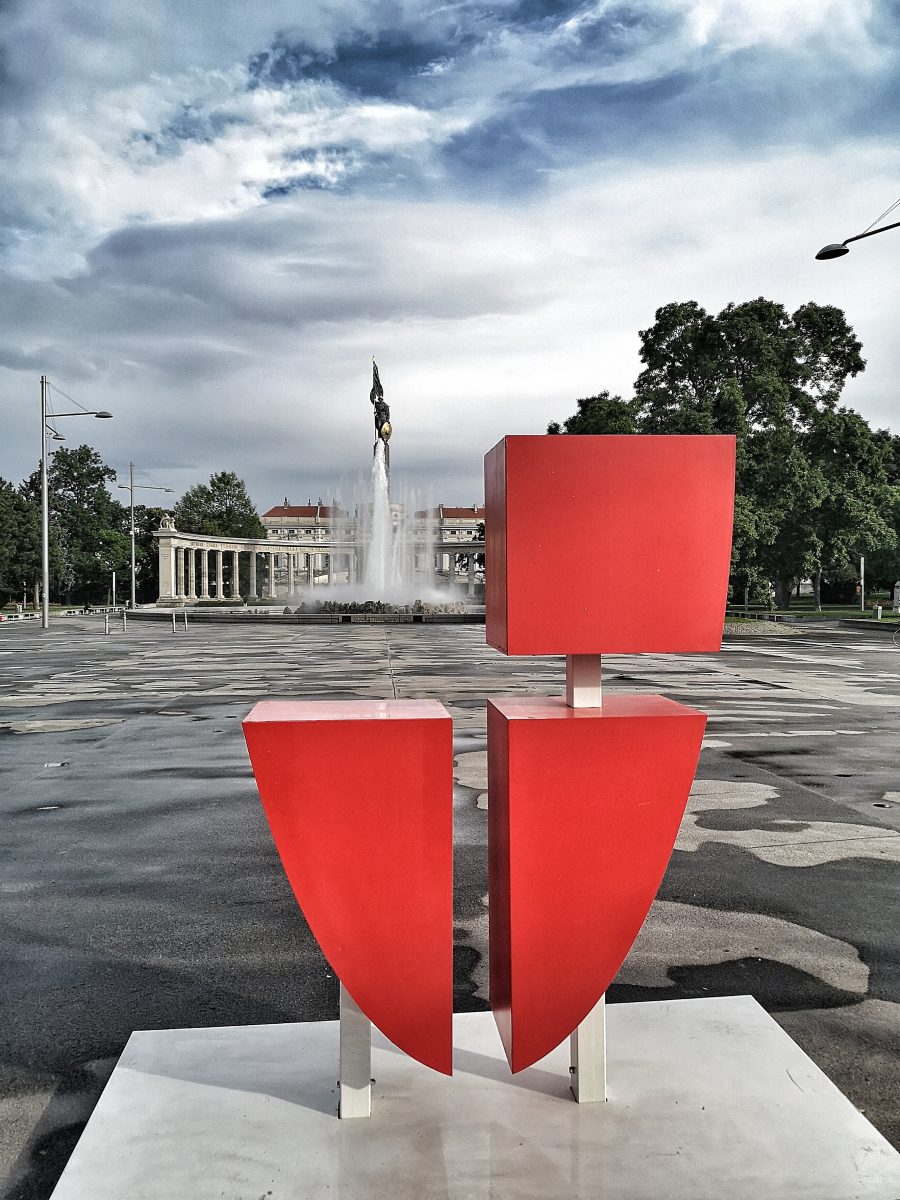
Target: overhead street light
(839,249)
(46,427)
(129,487)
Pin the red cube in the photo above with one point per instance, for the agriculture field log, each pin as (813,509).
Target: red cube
(578,527)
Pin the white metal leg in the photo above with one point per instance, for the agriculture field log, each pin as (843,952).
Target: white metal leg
(587,1047)
(588,1043)
(356,1059)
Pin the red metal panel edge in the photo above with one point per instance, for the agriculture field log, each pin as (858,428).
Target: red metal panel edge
(359,800)
(495,546)
(584,807)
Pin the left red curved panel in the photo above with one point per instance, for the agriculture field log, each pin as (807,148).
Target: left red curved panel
(359,798)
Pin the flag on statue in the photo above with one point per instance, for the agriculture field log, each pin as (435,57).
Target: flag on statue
(377,392)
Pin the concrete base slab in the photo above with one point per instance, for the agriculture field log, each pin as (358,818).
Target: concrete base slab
(707,1098)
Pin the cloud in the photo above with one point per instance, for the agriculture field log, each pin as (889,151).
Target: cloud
(410,97)
(212,218)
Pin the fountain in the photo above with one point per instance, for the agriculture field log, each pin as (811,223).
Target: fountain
(394,542)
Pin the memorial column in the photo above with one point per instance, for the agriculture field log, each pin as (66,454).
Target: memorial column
(253,595)
(204,574)
(290,573)
(271,573)
(219,589)
(235,577)
(179,573)
(192,572)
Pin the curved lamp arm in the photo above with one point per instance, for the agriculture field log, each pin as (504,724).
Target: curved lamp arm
(837,249)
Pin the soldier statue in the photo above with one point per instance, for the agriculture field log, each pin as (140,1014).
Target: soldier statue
(383,427)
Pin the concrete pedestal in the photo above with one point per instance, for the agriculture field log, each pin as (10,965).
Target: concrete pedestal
(707,1098)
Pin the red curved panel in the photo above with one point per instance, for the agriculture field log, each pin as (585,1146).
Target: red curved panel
(584,808)
(359,798)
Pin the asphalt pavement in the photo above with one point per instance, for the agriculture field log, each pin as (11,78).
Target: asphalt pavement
(140,887)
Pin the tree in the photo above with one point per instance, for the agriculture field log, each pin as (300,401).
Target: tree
(91,527)
(20,547)
(146,552)
(462,560)
(220,508)
(599,414)
(812,477)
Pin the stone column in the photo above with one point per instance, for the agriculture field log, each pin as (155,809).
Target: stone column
(253,595)
(192,573)
(290,574)
(166,569)
(310,569)
(235,577)
(179,572)
(470,588)
(204,574)
(271,573)
(219,589)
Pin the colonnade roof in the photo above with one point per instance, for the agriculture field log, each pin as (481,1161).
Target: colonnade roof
(203,541)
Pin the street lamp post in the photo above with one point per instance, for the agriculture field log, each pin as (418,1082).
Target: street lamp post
(129,487)
(45,495)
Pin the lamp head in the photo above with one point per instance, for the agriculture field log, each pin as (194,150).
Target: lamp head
(833,250)
(103,414)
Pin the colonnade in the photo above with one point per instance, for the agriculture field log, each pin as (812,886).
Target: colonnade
(196,567)
(207,573)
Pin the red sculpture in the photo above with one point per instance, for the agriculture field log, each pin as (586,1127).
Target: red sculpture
(593,544)
(359,797)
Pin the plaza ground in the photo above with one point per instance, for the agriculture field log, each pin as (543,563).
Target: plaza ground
(140,887)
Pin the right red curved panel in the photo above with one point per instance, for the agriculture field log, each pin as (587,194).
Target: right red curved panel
(584,809)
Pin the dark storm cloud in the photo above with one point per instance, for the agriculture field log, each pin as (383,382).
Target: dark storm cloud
(746,101)
(380,65)
(282,268)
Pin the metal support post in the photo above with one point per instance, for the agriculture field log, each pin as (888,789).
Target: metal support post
(587,1050)
(45,514)
(106,623)
(124,622)
(133,560)
(587,1044)
(862,583)
(583,685)
(356,1060)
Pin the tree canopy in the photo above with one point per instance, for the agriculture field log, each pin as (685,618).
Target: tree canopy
(92,527)
(813,479)
(221,508)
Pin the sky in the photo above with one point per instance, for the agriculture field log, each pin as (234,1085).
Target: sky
(213,214)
